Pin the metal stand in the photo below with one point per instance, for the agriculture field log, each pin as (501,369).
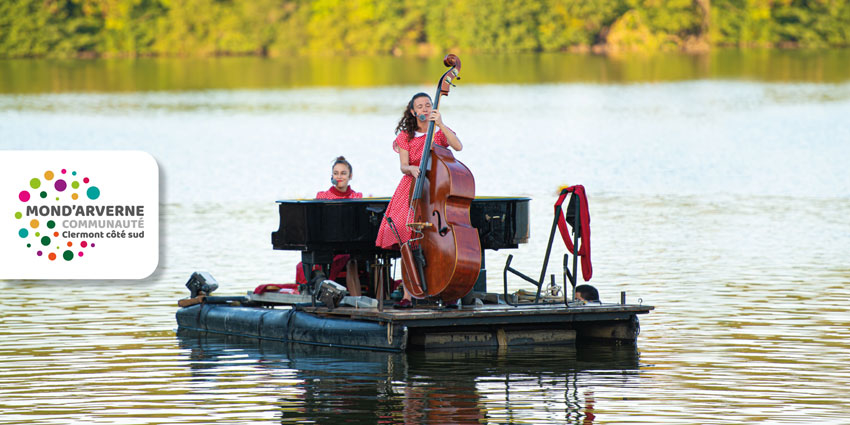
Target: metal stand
(567,273)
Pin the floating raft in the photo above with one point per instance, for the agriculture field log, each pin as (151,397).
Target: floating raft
(489,325)
(291,325)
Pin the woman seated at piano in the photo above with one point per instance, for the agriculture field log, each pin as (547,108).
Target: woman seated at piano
(341,174)
(343,265)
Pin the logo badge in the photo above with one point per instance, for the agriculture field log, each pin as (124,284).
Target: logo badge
(78,215)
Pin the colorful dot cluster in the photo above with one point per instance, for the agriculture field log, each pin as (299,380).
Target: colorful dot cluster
(43,236)
(61,185)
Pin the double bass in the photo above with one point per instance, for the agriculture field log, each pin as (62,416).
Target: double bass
(442,259)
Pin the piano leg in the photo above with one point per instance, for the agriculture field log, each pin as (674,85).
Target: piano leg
(379,285)
(352,278)
(388,278)
(481,283)
(308,274)
(382,279)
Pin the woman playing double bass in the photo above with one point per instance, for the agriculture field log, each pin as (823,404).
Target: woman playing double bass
(409,143)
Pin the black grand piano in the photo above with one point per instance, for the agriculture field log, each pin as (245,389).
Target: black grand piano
(321,229)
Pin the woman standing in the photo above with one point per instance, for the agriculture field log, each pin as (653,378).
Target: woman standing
(411,130)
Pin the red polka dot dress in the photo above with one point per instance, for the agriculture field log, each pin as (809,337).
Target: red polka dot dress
(399,207)
(334,193)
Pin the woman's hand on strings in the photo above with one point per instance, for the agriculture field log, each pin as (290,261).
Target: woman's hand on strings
(451,137)
(435,116)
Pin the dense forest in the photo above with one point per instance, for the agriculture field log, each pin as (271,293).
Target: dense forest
(109,28)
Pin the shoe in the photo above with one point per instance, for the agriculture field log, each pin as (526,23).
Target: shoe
(404,303)
(397,294)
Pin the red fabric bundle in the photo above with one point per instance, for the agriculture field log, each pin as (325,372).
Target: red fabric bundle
(584,234)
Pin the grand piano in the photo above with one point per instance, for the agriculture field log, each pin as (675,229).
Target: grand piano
(321,229)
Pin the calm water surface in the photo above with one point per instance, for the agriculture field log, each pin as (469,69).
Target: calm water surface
(720,199)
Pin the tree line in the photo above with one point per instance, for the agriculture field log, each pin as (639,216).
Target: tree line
(129,28)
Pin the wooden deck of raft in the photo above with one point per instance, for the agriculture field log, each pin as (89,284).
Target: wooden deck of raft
(502,325)
(495,325)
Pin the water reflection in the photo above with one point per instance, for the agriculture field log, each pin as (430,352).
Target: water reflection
(177,74)
(330,385)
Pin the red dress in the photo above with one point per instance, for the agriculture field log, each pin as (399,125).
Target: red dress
(334,193)
(399,207)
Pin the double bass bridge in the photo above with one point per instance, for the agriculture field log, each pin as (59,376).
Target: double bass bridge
(416,227)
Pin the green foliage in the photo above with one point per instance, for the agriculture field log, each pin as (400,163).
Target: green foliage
(577,23)
(362,26)
(812,23)
(631,33)
(483,25)
(35,28)
(673,17)
(652,25)
(68,28)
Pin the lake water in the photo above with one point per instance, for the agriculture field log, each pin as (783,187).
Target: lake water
(718,188)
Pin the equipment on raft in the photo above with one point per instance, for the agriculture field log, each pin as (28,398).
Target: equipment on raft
(577,215)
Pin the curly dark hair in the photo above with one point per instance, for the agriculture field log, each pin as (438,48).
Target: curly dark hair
(409,123)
